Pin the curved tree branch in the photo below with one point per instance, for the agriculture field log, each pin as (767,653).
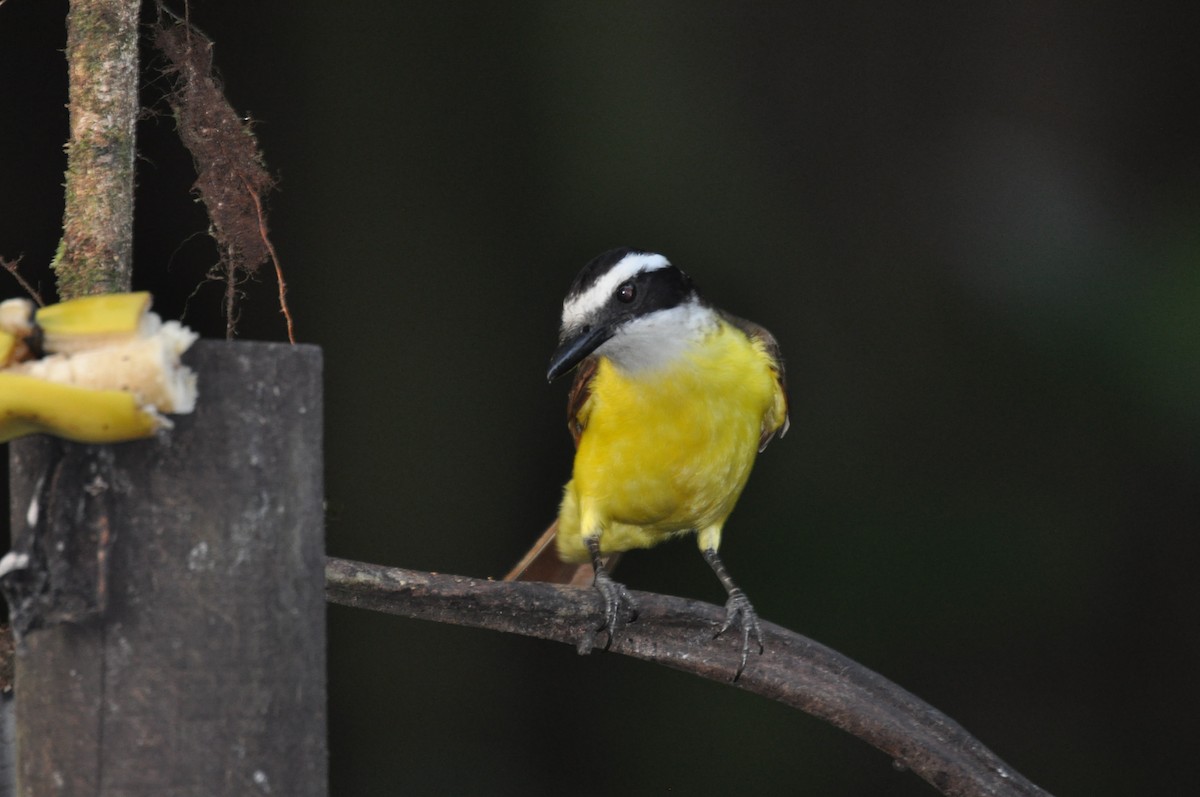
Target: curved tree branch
(677,632)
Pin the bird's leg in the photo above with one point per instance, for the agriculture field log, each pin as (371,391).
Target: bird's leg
(619,607)
(737,610)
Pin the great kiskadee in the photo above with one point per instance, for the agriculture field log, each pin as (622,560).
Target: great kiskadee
(672,400)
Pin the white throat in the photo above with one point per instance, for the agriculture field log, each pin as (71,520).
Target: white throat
(659,339)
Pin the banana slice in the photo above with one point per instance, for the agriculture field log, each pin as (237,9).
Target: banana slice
(16,325)
(112,368)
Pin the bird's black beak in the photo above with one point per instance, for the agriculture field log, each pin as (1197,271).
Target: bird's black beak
(571,350)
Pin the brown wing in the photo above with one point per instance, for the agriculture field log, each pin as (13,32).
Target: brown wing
(580,391)
(772,426)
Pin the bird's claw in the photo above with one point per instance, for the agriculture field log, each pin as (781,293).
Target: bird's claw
(619,609)
(739,611)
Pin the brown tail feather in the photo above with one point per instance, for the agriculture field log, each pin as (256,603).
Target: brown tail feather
(541,563)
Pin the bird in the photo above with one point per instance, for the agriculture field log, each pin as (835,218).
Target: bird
(672,401)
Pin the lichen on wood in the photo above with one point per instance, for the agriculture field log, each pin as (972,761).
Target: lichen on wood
(96,252)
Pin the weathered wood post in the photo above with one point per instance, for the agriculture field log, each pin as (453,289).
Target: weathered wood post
(201,670)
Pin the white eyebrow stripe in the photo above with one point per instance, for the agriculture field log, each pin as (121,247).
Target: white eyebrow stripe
(577,309)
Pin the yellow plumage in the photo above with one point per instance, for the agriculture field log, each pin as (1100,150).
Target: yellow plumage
(666,450)
(672,400)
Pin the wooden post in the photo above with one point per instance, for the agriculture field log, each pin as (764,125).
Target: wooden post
(190,571)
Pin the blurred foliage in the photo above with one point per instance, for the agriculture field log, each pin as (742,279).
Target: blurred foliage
(972,228)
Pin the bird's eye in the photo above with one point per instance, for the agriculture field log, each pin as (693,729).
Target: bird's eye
(626,292)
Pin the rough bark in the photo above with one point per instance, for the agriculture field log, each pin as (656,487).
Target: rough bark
(96,251)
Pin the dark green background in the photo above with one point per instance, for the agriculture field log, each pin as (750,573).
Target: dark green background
(975,232)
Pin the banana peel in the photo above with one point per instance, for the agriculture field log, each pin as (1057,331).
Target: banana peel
(110,369)
(29,405)
(91,322)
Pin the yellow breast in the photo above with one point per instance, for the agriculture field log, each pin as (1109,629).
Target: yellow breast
(668,450)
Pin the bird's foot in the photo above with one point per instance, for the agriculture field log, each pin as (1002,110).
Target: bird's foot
(619,609)
(740,612)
